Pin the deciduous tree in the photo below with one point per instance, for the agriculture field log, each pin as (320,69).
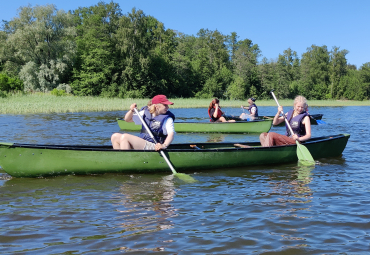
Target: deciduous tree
(40,47)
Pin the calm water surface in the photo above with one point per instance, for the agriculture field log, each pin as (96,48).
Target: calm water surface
(272,209)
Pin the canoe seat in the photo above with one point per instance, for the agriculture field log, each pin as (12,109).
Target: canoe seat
(242,145)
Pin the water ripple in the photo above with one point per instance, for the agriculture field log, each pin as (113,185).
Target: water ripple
(282,209)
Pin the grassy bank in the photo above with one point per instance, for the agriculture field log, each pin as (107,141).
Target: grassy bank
(46,103)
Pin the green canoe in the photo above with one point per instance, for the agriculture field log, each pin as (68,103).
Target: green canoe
(33,160)
(258,126)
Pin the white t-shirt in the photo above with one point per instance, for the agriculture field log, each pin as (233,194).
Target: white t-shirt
(253,110)
(168,126)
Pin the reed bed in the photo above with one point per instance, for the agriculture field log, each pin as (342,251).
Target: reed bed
(46,103)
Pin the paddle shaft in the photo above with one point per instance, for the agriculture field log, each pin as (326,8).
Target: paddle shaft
(152,136)
(286,121)
(303,153)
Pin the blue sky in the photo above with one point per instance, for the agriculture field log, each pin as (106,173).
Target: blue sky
(274,25)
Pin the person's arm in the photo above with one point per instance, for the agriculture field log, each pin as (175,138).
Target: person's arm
(167,142)
(170,130)
(278,119)
(307,126)
(216,111)
(130,113)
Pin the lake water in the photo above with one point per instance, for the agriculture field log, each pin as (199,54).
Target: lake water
(276,209)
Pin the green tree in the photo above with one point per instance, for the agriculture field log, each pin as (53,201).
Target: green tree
(181,61)
(315,73)
(9,83)
(245,67)
(350,87)
(232,43)
(39,46)
(338,69)
(98,67)
(266,71)
(161,71)
(146,49)
(211,63)
(365,78)
(287,71)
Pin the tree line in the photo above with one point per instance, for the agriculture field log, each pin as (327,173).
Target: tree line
(99,51)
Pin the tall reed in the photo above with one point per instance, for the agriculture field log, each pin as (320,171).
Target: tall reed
(46,103)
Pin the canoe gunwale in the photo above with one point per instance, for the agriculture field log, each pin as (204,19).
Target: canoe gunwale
(239,127)
(254,146)
(210,122)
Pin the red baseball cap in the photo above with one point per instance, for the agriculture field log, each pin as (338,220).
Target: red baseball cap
(160,99)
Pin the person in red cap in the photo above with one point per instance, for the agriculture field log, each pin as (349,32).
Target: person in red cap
(159,120)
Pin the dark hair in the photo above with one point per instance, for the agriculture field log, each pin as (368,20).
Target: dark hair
(212,104)
(253,99)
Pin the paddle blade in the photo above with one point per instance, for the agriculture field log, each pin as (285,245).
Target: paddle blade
(304,155)
(320,122)
(185,178)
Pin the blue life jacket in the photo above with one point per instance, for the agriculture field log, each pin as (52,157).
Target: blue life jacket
(250,109)
(155,125)
(296,124)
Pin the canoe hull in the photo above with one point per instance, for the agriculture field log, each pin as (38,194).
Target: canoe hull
(209,127)
(26,160)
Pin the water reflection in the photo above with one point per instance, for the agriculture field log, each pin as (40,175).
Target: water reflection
(155,198)
(215,138)
(292,185)
(304,178)
(304,173)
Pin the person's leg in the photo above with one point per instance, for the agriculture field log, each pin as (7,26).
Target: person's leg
(115,139)
(265,139)
(275,139)
(279,139)
(222,119)
(127,142)
(244,116)
(270,139)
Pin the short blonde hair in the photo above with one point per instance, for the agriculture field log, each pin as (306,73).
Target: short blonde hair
(301,99)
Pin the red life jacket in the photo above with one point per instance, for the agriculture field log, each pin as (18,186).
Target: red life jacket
(219,114)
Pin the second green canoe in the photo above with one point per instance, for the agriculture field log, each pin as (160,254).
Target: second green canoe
(257,126)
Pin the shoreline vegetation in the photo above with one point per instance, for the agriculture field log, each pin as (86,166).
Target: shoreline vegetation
(100,50)
(46,103)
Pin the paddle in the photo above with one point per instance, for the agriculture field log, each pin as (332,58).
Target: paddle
(194,147)
(183,177)
(320,122)
(303,154)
